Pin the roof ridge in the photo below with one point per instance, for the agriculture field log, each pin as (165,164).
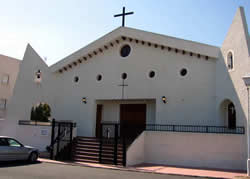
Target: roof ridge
(176,38)
(9,57)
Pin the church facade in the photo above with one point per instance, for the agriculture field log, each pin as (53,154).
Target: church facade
(138,78)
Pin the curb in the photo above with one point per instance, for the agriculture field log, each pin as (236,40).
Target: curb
(126,169)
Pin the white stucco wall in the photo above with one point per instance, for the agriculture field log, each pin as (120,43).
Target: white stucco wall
(27,93)
(33,136)
(183,94)
(135,152)
(221,151)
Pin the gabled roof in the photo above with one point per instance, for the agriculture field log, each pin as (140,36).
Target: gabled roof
(138,35)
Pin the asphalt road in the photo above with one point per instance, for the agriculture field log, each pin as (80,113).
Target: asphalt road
(58,171)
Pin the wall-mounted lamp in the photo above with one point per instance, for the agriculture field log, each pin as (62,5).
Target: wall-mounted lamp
(84,100)
(164,99)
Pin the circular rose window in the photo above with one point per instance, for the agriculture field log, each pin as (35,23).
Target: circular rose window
(125,51)
(124,76)
(151,74)
(183,72)
(76,79)
(99,77)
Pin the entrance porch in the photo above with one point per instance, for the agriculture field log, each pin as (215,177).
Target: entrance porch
(131,115)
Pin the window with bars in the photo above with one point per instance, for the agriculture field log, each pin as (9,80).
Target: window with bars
(3,103)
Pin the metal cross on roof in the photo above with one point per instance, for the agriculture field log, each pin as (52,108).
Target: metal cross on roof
(123,15)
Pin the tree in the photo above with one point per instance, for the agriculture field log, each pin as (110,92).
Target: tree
(40,113)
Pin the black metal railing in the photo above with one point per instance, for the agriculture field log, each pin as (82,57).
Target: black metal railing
(64,134)
(195,129)
(110,134)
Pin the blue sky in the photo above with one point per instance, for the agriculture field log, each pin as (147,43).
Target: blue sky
(57,28)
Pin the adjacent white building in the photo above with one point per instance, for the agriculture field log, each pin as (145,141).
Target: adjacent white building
(9,68)
(135,77)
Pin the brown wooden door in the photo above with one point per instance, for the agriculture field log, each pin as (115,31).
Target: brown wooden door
(98,120)
(132,119)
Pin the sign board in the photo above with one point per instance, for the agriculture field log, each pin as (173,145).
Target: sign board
(44,132)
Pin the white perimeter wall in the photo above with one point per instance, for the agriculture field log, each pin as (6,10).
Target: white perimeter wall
(37,136)
(32,136)
(222,151)
(136,151)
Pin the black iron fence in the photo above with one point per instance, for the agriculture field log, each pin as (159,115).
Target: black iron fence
(108,129)
(195,129)
(110,135)
(61,138)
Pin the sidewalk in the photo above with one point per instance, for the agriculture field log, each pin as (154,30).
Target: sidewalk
(160,169)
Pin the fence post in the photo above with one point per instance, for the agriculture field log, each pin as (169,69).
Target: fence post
(100,147)
(52,139)
(58,140)
(124,151)
(70,140)
(116,143)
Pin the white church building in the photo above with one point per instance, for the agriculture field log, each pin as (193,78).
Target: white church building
(154,81)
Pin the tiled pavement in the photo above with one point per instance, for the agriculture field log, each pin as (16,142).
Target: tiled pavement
(161,169)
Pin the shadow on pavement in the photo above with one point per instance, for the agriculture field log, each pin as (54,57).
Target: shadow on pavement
(17,163)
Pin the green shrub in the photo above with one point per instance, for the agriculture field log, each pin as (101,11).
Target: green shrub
(40,113)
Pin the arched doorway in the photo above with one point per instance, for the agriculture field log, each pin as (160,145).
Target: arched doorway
(231,116)
(228,113)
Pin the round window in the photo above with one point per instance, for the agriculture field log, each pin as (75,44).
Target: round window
(183,72)
(99,77)
(76,79)
(125,51)
(151,74)
(124,76)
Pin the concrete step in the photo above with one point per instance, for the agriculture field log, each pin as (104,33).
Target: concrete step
(96,154)
(86,149)
(89,157)
(94,150)
(95,161)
